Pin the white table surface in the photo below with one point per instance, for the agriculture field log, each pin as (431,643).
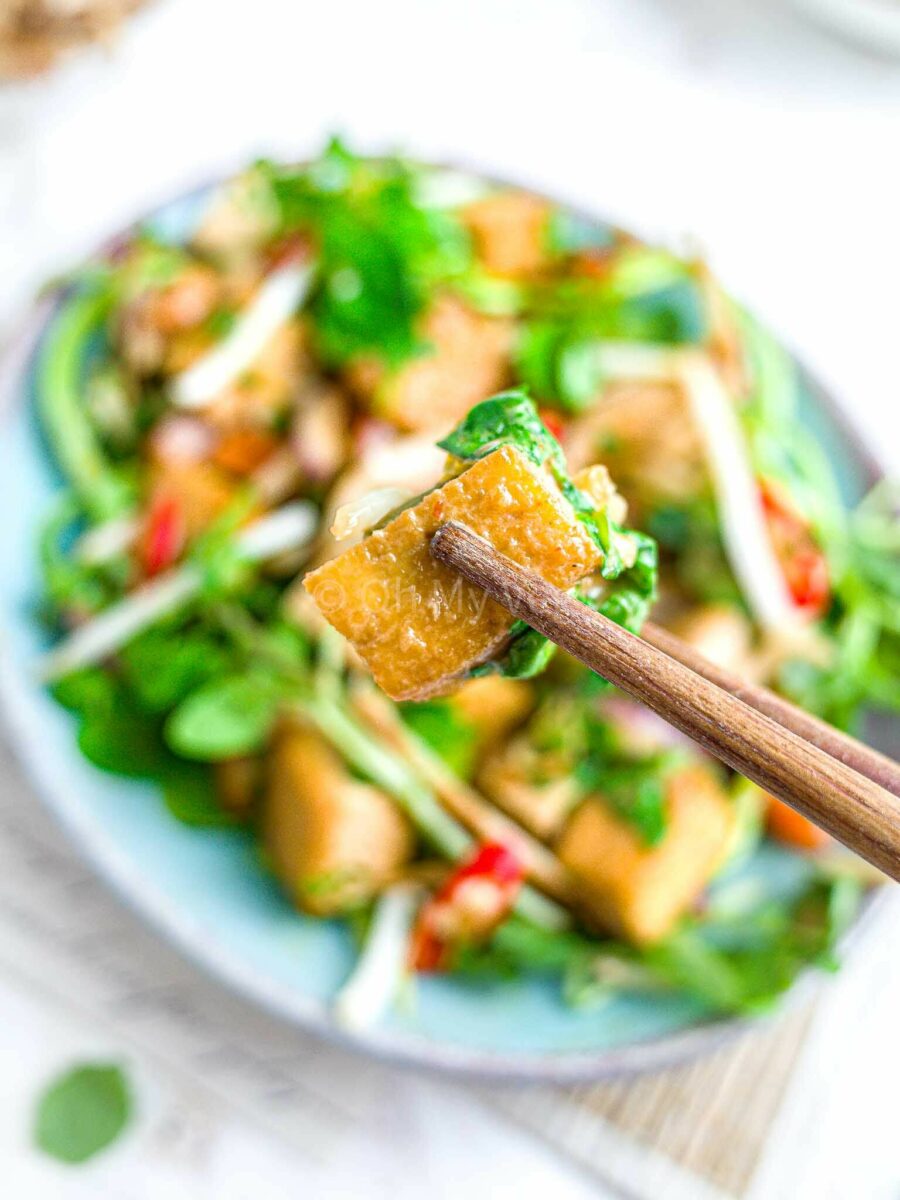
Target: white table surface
(727,123)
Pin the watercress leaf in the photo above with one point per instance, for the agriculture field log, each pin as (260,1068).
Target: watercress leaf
(225,717)
(91,690)
(190,796)
(122,740)
(509,418)
(163,665)
(440,724)
(527,655)
(82,1112)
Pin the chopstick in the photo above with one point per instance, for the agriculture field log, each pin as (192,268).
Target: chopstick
(835,742)
(855,809)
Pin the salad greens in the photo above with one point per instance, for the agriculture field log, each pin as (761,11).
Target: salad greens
(379,253)
(199,690)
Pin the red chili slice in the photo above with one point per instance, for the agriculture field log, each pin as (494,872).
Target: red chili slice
(164,535)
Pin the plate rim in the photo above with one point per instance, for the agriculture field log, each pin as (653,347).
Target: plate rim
(168,920)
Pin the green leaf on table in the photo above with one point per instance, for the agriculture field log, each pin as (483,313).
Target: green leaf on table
(82,1111)
(225,717)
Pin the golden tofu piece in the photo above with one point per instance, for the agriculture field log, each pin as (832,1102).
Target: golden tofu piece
(238,783)
(332,841)
(541,806)
(638,891)
(644,432)
(510,231)
(418,624)
(467,357)
(200,490)
(494,706)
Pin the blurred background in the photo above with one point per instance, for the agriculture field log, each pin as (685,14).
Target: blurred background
(763,131)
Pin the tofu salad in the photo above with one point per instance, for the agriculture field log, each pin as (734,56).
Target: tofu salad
(343,355)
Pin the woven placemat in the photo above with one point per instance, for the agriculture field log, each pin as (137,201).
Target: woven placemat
(695,1131)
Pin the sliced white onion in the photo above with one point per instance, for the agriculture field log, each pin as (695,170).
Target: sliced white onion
(745,535)
(118,624)
(105,541)
(443,187)
(369,992)
(273,534)
(178,439)
(362,514)
(634,360)
(286,528)
(277,300)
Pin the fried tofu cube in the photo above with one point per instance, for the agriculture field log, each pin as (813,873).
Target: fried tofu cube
(638,891)
(418,624)
(467,357)
(494,706)
(331,840)
(540,806)
(200,490)
(510,230)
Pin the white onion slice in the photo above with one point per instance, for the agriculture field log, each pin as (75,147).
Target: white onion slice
(285,529)
(178,439)
(103,542)
(369,992)
(362,514)
(277,300)
(634,360)
(744,533)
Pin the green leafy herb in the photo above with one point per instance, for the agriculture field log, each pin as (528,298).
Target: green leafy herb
(190,796)
(380,254)
(226,717)
(643,295)
(164,664)
(82,1112)
(440,724)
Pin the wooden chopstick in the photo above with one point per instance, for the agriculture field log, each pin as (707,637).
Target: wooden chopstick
(846,749)
(857,811)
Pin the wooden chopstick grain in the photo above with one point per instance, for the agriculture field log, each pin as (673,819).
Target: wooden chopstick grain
(857,811)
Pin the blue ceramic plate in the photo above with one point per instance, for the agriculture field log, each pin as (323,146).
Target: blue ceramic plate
(205,890)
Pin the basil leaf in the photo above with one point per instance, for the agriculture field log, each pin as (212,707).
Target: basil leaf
(82,1112)
(225,718)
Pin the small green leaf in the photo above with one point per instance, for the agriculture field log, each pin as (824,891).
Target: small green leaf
(82,1111)
(225,718)
(445,730)
(190,796)
(165,665)
(122,740)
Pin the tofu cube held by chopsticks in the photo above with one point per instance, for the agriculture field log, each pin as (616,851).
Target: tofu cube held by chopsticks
(418,625)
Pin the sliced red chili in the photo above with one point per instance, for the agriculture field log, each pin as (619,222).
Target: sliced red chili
(802,561)
(553,422)
(468,907)
(164,535)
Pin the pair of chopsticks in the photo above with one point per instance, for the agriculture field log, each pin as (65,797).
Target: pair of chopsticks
(850,790)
